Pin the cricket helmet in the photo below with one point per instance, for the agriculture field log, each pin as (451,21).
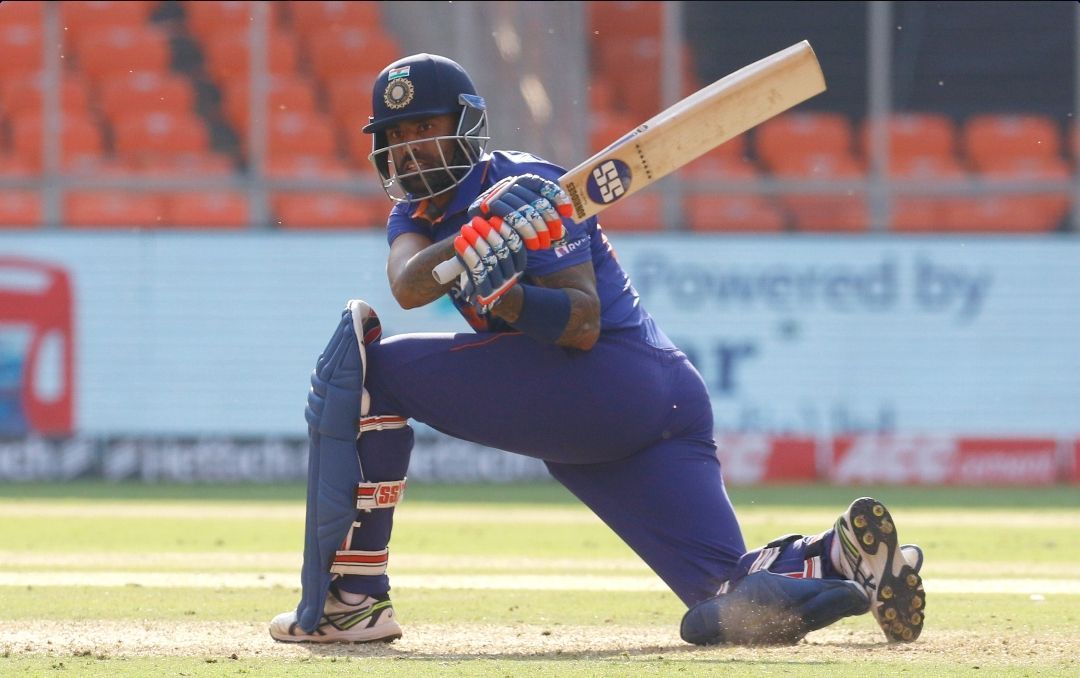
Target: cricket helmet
(421,86)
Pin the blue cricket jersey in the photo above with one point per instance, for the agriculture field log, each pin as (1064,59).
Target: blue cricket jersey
(619,302)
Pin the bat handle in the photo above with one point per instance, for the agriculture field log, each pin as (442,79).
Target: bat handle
(448,270)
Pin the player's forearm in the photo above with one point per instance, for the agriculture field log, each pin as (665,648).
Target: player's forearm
(412,283)
(582,326)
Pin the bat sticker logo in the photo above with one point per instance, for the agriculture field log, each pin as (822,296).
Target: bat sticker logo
(609,181)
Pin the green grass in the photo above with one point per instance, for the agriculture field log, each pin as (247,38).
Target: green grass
(1017,528)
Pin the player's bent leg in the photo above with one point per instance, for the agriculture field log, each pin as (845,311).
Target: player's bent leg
(868,552)
(348,515)
(765,608)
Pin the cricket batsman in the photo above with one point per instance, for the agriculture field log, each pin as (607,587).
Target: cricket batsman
(564,365)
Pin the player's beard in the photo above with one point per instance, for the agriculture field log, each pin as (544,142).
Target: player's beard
(436,177)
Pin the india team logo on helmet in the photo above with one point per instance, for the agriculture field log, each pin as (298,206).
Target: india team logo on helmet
(399,89)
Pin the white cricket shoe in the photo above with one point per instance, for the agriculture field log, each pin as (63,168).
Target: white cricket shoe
(372,619)
(870,555)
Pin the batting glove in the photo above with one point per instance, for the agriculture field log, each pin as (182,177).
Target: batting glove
(493,258)
(532,205)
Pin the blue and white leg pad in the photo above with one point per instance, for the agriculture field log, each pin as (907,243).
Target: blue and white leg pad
(334,412)
(765,608)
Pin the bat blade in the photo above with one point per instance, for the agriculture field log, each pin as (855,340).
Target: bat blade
(685,131)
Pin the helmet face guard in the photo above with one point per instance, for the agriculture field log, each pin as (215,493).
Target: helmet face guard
(455,156)
(425,86)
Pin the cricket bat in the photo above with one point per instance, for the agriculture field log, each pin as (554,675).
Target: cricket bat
(686,131)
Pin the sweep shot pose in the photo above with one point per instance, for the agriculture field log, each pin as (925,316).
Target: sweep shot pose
(564,365)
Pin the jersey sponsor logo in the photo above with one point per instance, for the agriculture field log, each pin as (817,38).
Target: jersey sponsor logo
(562,248)
(399,93)
(609,181)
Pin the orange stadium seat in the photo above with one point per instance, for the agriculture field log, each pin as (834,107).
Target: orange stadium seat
(633,67)
(15,167)
(83,17)
(1053,203)
(824,212)
(988,137)
(24,95)
(160,133)
(615,20)
(358,146)
(181,165)
(642,212)
(205,18)
(228,55)
(326,211)
(113,209)
(725,164)
(349,52)
(123,50)
(914,134)
(19,208)
(802,134)
(216,209)
(605,127)
(21,47)
(294,133)
(145,92)
(922,213)
(81,136)
(284,94)
(317,17)
(306,167)
(998,214)
(22,12)
(349,98)
(749,213)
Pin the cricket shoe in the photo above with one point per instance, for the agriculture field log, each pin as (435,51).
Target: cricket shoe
(870,555)
(370,620)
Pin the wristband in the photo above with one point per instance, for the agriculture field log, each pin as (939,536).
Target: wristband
(544,314)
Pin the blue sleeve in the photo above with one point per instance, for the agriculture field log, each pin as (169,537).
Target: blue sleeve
(400,222)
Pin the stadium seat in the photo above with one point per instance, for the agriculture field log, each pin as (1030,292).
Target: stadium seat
(228,55)
(161,133)
(989,137)
(215,209)
(1053,203)
(21,47)
(315,17)
(917,215)
(23,12)
(284,94)
(730,213)
(81,136)
(642,212)
(326,211)
(20,96)
(145,92)
(181,165)
(205,18)
(349,98)
(922,213)
(14,167)
(358,146)
(82,17)
(294,133)
(794,135)
(824,212)
(116,51)
(349,52)
(633,65)
(113,209)
(725,163)
(306,167)
(19,208)
(618,20)
(605,127)
(998,214)
(914,134)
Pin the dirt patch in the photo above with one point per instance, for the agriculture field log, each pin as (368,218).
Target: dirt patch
(107,639)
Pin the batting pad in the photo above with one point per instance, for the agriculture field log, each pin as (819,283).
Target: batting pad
(333,413)
(765,608)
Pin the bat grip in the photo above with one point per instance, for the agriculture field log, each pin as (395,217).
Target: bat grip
(448,270)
